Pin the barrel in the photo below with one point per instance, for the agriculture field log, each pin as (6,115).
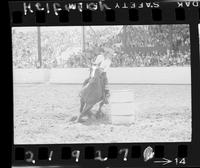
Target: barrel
(122,107)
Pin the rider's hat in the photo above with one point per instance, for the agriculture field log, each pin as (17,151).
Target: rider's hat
(108,50)
(99,59)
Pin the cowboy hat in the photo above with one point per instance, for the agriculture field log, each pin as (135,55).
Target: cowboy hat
(109,50)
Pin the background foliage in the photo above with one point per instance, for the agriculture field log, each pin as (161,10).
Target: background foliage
(133,46)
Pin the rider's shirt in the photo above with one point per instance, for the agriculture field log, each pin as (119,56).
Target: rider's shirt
(103,62)
(105,65)
(99,60)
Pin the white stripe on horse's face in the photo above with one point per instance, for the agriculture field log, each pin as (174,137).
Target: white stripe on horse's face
(93,68)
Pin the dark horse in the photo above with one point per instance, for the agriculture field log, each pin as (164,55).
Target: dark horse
(92,92)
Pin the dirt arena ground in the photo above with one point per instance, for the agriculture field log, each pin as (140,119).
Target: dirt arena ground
(42,113)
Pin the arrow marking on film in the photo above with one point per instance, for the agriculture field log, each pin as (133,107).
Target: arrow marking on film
(50,156)
(164,161)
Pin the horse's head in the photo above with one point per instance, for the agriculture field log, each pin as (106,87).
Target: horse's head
(93,91)
(98,72)
(95,71)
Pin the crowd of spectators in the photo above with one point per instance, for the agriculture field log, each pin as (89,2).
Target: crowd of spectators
(151,60)
(154,59)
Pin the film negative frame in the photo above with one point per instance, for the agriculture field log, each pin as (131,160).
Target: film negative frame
(184,154)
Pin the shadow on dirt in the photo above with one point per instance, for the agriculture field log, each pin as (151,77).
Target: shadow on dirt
(92,118)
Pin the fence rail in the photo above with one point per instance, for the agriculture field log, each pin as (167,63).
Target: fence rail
(138,75)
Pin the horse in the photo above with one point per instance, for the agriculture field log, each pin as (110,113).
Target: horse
(92,92)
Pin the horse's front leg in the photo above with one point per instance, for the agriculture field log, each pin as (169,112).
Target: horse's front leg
(100,106)
(84,111)
(82,105)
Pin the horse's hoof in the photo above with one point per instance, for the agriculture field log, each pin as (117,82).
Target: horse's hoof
(80,120)
(99,115)
(74,118)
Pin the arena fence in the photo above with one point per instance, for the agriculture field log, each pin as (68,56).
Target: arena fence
(137,75)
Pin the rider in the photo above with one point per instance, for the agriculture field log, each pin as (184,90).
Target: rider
(103,63)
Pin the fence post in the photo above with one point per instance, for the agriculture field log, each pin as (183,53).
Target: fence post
(83,39)
(39,60)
